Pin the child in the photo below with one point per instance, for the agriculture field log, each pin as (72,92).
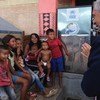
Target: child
(34,39)
(57,57)
(45,55)
(6,84)
(31,58)
(19,77)
(19,51)
(19,46)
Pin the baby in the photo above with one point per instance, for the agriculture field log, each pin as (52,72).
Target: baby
(45,56)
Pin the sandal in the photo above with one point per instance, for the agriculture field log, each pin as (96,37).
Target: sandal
(51,93)
(32,94)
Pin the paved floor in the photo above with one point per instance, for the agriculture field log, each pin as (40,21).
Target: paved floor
(40,97)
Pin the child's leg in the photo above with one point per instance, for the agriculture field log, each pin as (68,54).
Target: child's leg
(49,69)
(40,67)
(60,78)
(60,69)
(38,82)
(42,88)
(24,75)
(53,70)
(53,78)
(24,84)
(3,94)
(11,93)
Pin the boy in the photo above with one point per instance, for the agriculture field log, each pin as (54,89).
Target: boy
(45,55)
(57,57)
(6,84)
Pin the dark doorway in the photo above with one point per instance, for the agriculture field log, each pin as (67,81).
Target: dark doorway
(84,2)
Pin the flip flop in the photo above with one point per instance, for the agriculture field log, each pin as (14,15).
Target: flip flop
(32,94)
(51,93)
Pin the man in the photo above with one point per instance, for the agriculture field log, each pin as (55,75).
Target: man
(91,80)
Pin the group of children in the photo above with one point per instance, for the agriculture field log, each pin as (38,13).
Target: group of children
(18,66)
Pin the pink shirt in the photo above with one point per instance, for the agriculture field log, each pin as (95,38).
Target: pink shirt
(4,79)
(55,46)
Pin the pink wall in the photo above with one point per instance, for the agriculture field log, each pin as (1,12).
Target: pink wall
(46,6)
(47,15)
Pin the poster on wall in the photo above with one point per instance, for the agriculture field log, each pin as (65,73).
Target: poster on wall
(74,27)
(74,21)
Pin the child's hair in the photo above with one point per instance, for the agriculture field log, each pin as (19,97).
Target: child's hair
(2,47)
(36,35)
(44,42)
(38,42)
(18,39)
(49,31)
(6,39)
(35,45)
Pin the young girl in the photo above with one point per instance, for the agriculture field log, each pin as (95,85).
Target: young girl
(34,39)
(57,57)
(21,77)
(6,84)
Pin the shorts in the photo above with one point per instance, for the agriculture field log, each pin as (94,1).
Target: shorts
(18,74)
(44,63)
(57,64)
(15,78)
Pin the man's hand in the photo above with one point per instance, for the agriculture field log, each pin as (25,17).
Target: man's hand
(85,50)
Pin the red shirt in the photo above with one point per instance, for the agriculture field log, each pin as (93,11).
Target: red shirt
(55,46)
(32,56)
(4,79)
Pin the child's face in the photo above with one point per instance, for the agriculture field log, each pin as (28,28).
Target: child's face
(19,43)
(34,39)
(34,49)
(4,54)
(51,35)
(45,46)
(12,43)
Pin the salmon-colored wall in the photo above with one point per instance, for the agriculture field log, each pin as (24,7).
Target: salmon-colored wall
(46,6)
(73,3)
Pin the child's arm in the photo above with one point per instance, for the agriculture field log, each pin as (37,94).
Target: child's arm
(39,56)
(20,67)
(4,80)
(10,75)
(50,56)
(37,52)
(65,48)
(26,49)
(11,68)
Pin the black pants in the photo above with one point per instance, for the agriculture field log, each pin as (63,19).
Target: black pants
(98,97)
